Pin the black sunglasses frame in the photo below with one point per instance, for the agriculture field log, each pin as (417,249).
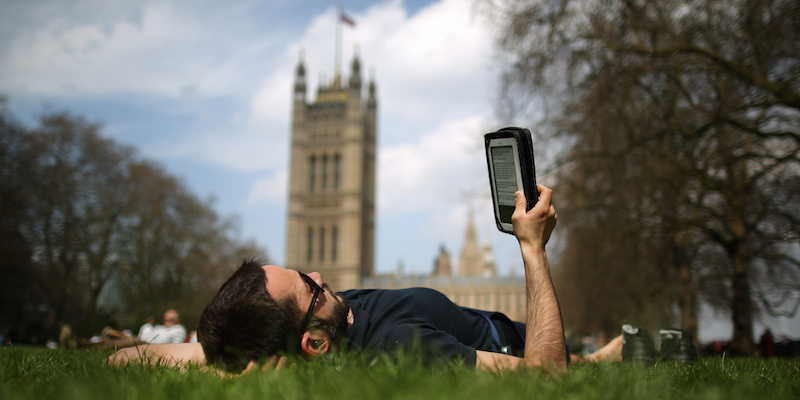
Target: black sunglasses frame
(315,288)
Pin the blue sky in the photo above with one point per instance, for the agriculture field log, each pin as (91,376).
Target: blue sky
(204,88)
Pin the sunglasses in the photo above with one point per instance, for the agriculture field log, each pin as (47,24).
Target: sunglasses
(315,288)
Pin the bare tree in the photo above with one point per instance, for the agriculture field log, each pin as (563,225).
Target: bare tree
(100,231)
(683,125)
(62,203)
(19,296)
(181,250)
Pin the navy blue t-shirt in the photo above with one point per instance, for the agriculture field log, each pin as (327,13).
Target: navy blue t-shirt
(385,320)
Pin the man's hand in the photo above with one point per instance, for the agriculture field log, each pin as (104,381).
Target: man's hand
(273,363)
(534,227)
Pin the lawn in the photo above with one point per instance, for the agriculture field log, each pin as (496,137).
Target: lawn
(35,373)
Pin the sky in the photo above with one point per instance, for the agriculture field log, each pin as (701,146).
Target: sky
(205,89)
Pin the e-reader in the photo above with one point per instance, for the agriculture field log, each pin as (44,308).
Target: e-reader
(509,155)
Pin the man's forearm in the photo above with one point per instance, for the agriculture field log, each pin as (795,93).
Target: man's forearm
(544,336)
(172,354)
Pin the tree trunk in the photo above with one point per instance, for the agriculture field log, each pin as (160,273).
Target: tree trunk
(687,291)
(741,307)
(688,298)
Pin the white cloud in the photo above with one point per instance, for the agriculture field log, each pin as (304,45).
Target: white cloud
(157,48)
(431,65)
(438,168)
(272,189)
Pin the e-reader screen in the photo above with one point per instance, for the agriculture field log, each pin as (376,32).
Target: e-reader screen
(505,179)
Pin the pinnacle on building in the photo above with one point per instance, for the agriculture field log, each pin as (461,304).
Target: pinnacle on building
(474,260)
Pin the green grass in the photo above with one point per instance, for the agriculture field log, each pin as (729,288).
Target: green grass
(27,373)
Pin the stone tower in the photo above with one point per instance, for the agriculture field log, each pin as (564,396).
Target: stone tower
(331,221)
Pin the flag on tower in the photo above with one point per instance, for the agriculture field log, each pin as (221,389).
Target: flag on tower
(347,20)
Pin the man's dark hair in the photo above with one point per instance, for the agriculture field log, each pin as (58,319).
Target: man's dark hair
(243,322)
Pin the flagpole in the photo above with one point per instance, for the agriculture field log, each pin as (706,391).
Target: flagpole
(338,66)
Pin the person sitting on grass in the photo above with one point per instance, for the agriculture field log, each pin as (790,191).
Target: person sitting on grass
(171,331)
(263,312)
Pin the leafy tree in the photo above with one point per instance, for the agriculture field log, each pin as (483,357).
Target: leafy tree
(682,127)
(81,215)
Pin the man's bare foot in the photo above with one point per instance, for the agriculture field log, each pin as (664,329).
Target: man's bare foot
(611,352)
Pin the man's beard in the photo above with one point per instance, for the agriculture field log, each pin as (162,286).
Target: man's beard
(336,325)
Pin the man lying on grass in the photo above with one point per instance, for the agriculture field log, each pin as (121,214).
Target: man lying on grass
(265,311)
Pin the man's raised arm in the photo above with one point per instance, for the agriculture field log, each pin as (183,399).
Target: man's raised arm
(544,336)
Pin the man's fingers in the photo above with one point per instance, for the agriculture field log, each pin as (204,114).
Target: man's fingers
(270,364)
(281,363)
(545,194)
(250,367)
(275,363)
(520,198)
(520,208)
(545,197)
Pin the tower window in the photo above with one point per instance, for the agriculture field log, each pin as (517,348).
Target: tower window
(334,240)
(324,171)
(313,173)
(321,244)
(310,245)
(337,170)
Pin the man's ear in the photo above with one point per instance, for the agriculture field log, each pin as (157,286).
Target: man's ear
(314,343)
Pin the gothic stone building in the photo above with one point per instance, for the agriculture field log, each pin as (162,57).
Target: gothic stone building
(475,283)
(331,208)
